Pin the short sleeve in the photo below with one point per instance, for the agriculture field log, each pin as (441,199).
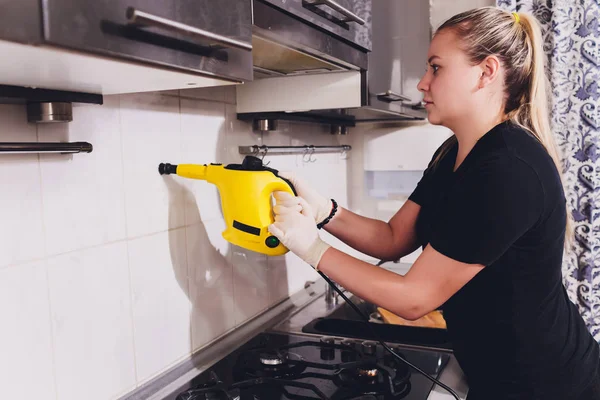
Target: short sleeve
(421,191)
(489,208)
(424,187)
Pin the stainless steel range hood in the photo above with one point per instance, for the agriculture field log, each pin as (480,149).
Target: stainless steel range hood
(303,72)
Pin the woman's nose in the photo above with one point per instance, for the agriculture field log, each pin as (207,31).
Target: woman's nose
(423,84)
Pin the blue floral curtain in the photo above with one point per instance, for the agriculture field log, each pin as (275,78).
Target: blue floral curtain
(571,31)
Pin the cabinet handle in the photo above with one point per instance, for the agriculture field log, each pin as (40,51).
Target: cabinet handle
(392,96)
(351,17)
(141,18)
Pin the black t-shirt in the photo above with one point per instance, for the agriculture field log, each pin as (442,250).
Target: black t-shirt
(515,332)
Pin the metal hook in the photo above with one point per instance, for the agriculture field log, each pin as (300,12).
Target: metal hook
(309,151)
(265,150)
(311,158)
(304,160)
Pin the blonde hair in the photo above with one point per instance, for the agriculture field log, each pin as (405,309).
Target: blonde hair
(516,39)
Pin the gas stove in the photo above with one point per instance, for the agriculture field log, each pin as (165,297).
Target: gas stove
(274,366)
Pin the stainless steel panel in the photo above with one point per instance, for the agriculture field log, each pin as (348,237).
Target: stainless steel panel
(286,44)
(20,21)
(400,43)
(331,19)
(103,27)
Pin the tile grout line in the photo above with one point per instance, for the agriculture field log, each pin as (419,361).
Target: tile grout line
(145,235)
(129,276)
(47,272)
(185,235)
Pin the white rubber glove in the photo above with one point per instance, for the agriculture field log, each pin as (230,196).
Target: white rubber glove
(321,206)
(295,227)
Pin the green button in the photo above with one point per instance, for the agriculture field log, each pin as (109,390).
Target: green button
(272,242)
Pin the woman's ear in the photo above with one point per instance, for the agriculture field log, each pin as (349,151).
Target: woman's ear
(490,70)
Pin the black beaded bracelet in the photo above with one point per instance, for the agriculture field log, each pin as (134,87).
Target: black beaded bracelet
(331,214)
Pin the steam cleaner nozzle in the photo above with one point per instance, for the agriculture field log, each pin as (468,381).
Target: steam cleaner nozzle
(166,169)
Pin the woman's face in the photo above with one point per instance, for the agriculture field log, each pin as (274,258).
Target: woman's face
(450,81)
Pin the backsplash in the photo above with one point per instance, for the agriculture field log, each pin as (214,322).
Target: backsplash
(111,273)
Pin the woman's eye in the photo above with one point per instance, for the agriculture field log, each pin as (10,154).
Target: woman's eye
(434,67)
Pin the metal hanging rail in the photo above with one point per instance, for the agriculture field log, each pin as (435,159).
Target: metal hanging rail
(45,147)
(306,149)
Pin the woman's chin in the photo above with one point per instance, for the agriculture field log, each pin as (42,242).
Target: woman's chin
(433,119)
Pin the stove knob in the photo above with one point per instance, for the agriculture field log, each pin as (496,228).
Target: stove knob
(349,343)
(327,340)
(327,350)
(369,348)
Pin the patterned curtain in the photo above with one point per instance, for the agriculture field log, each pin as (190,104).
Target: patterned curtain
(571,31)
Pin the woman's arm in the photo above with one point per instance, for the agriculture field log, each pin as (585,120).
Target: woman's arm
(386,241)
(432,279)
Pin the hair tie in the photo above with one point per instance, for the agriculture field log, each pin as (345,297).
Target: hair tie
(517,18)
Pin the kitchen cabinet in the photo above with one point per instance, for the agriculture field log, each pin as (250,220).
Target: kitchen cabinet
(200,42)
(401,37)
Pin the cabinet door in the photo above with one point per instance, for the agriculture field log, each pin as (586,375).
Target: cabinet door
(20,21)
(415,45)
(401,36)
(104,26)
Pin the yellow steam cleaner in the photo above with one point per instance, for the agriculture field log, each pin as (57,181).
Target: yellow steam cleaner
(245,191)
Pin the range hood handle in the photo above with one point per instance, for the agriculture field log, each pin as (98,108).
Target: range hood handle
(141,18)
(392,96)
(351,17)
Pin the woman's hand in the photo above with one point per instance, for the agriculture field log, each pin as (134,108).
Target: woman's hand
(295,227)
(321,206)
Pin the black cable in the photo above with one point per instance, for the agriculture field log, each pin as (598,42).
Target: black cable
(385,346)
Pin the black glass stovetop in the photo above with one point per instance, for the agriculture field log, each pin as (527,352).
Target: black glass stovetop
(274,366)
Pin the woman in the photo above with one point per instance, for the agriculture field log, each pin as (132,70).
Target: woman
(490,213)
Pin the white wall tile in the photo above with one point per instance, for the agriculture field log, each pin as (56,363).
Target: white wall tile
(250,286)
(161,307)
(21,230)
(84,190)
(203,131)
(91,322)
(151,132)
(26,365)
(211,282)
(287,275)
(239,133)
(277,279)
(299,273)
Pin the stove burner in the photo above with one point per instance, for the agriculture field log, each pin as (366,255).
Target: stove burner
(370,378)
(270,364)
(271,359)
(372,373)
